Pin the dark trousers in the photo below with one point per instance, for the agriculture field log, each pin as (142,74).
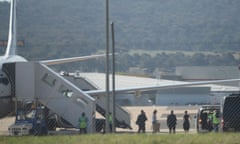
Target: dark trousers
(141,128)
(172,129)
(110,127)
(83,130)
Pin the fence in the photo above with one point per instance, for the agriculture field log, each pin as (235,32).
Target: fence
(163,112)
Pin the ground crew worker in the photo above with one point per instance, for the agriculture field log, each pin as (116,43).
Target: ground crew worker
(83,124)
(210,121)
(215,121)
(110,121)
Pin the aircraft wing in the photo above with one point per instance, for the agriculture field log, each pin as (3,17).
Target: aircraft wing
(159,86)
(71,59)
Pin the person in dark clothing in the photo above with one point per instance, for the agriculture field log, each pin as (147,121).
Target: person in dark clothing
(141,121)
(186,123)
(171,122)
(204,118)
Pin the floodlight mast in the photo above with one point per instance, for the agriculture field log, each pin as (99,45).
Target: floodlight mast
(107,68)
(113,79)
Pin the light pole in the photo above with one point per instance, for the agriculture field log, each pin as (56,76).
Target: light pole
(239,77)
(113,78)
(107,68)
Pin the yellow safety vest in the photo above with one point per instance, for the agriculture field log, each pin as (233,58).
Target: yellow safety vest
(215,119)
(83,122)
(110,119)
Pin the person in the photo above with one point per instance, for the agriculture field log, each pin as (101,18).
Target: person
(215,120)
(172,122)
(210,121)
(155,124)
(110,121)
(186,123)
(204,118)
(141,119)
(83,121)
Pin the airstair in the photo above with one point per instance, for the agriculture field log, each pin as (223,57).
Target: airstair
(35,81)
(122,118)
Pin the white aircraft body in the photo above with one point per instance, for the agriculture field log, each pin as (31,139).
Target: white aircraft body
(10,56)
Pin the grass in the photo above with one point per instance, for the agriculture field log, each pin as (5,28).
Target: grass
(210,138)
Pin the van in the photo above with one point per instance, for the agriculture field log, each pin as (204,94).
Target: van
(231,113)
(203,123)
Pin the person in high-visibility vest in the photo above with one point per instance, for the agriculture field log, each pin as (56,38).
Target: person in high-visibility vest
(83,121)
(210,121)
(215,121)
(110,121)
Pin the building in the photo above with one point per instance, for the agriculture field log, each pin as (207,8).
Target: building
(196,95)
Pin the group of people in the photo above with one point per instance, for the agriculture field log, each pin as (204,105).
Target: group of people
(210,121)
(171,122)
(83,123)
(141,120)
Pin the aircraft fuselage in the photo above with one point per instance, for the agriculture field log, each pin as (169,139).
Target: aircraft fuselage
(6,101)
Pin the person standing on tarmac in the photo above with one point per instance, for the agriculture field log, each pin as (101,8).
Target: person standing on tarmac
(110,121)
(172,122)
(155,122)
(210,121)
(215,121)
(186,123)
(141,122)
(83,122)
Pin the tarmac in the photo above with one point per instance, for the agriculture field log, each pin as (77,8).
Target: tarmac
(162,112)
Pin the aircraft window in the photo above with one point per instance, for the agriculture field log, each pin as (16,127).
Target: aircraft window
(4,81)
(49,80)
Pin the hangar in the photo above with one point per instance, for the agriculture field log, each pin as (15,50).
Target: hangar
(197,95)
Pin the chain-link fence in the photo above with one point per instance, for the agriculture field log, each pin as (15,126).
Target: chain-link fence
(33,118)
(220,118)
(200,119)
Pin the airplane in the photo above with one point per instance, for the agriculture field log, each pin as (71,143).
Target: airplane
(10,56)
(7,105)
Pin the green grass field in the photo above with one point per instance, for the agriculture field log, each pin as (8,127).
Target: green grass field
(209,138)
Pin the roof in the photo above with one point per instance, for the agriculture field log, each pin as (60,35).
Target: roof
(123,81)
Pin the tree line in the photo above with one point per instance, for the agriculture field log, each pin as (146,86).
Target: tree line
(162,61)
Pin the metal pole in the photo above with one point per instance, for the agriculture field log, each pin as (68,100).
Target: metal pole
(107,67)
(239,76)
(113,79)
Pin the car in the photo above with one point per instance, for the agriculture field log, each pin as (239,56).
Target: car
(231,113)
(203,122)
